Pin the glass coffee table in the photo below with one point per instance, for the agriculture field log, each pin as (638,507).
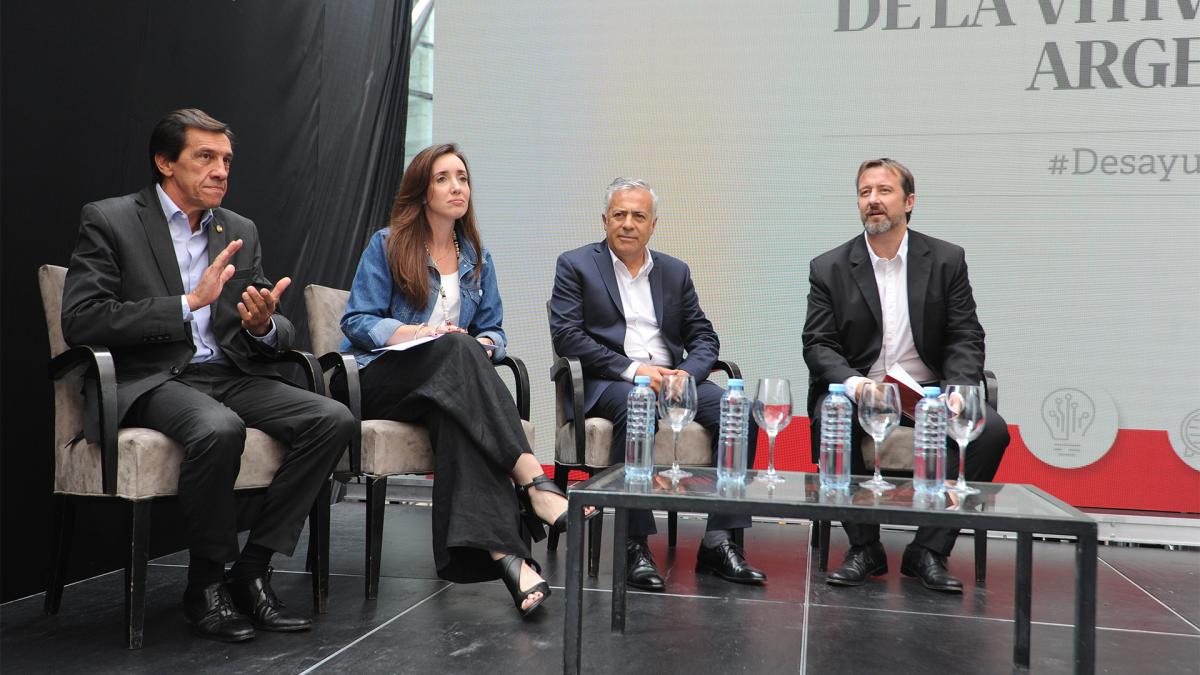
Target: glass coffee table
(1023,509)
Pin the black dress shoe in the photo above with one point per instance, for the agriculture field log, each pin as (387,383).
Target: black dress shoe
(861,562)
(728,561)
(257,600)
(640,570)
(930,568)
(211,614)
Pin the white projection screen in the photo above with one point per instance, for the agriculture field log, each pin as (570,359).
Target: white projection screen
(1057,141)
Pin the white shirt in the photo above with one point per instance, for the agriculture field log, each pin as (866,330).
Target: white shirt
(448,305)
(643,340)
(891,278)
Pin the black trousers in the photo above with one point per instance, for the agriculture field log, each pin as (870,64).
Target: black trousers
(206,409)
(451,388)
(612,406)
(983,460)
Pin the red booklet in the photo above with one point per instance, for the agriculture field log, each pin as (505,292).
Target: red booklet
(910,389)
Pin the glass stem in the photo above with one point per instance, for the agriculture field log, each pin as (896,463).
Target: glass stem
(962,458)
(675,454)
(878,475)
(771,454)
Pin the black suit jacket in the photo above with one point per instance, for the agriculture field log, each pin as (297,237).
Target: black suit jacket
(843,329)
(587,319)
(123,287)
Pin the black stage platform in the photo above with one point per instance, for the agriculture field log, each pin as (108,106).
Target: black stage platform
(1148,616)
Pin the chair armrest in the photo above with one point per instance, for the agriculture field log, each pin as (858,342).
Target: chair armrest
(991,389)
(567,375)
(99,361)
(308,364)
(729,368)
(521,383)
(346,364)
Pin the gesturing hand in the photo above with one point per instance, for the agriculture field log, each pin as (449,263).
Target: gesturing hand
(257,306)
(213,280)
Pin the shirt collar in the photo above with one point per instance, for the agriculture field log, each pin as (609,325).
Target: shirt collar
(901,253)
(618,265)
(169,208)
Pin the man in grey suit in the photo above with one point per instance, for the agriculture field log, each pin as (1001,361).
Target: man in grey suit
(173,285)
(624,310)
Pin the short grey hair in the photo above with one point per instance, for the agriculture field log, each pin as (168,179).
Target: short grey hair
(620,184)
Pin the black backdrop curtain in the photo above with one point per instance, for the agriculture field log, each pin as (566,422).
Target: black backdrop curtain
(316,93)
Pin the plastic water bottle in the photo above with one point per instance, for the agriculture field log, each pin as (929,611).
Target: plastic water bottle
(929,444)
(837,416)
(639,431)
(732,437)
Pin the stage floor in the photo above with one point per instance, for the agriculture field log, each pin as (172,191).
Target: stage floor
(1148,615)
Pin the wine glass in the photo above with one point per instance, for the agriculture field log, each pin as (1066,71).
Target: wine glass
(967,414)
(878,413)
(677,405)
(773,412)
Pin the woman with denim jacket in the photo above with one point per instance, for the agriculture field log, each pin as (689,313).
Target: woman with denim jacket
(427,274)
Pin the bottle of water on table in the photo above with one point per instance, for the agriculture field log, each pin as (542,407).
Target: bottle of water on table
(929,443)
(837,416)
(732,437)
(639,431)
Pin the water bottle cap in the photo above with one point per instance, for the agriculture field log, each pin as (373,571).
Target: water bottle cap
(932,392)
(735,383)
(642,379)
(837,388)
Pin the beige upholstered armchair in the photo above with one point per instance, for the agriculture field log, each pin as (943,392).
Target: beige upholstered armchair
(895,459)
(136,465)
(585,447)
(384,447)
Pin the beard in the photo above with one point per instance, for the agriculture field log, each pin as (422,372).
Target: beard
(878,228)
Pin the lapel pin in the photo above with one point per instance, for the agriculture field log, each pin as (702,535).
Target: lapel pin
(220,229)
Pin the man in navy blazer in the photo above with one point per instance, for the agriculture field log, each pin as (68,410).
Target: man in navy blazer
(893,296)
(624,310)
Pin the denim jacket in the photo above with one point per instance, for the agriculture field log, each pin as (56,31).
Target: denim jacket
(377,307)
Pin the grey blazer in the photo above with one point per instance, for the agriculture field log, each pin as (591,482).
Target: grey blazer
(123,286)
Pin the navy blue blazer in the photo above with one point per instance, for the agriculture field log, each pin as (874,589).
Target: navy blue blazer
(587,320)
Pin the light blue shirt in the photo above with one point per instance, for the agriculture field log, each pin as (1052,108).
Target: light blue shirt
(191,253)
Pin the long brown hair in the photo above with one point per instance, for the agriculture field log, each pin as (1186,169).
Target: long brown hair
(409,228)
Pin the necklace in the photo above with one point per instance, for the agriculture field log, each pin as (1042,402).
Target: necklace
(442,289)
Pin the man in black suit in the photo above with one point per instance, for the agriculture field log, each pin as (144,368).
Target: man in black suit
(624,310)
(895,296)
(173,285)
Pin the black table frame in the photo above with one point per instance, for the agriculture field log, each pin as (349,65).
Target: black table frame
(1074,524)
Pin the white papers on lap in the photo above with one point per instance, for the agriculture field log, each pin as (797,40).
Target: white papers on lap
(410,344)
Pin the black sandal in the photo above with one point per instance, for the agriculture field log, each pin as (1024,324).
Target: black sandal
(510,574)
(533,522)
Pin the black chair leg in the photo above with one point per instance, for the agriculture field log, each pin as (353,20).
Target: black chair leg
(672,528)
(376,498)
(135,572)
(60,550)
(980,555)
(823,545)
(318,548)
(814,539)
(560,479)
(595,533)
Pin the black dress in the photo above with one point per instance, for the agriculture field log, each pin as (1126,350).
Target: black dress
(451,388)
